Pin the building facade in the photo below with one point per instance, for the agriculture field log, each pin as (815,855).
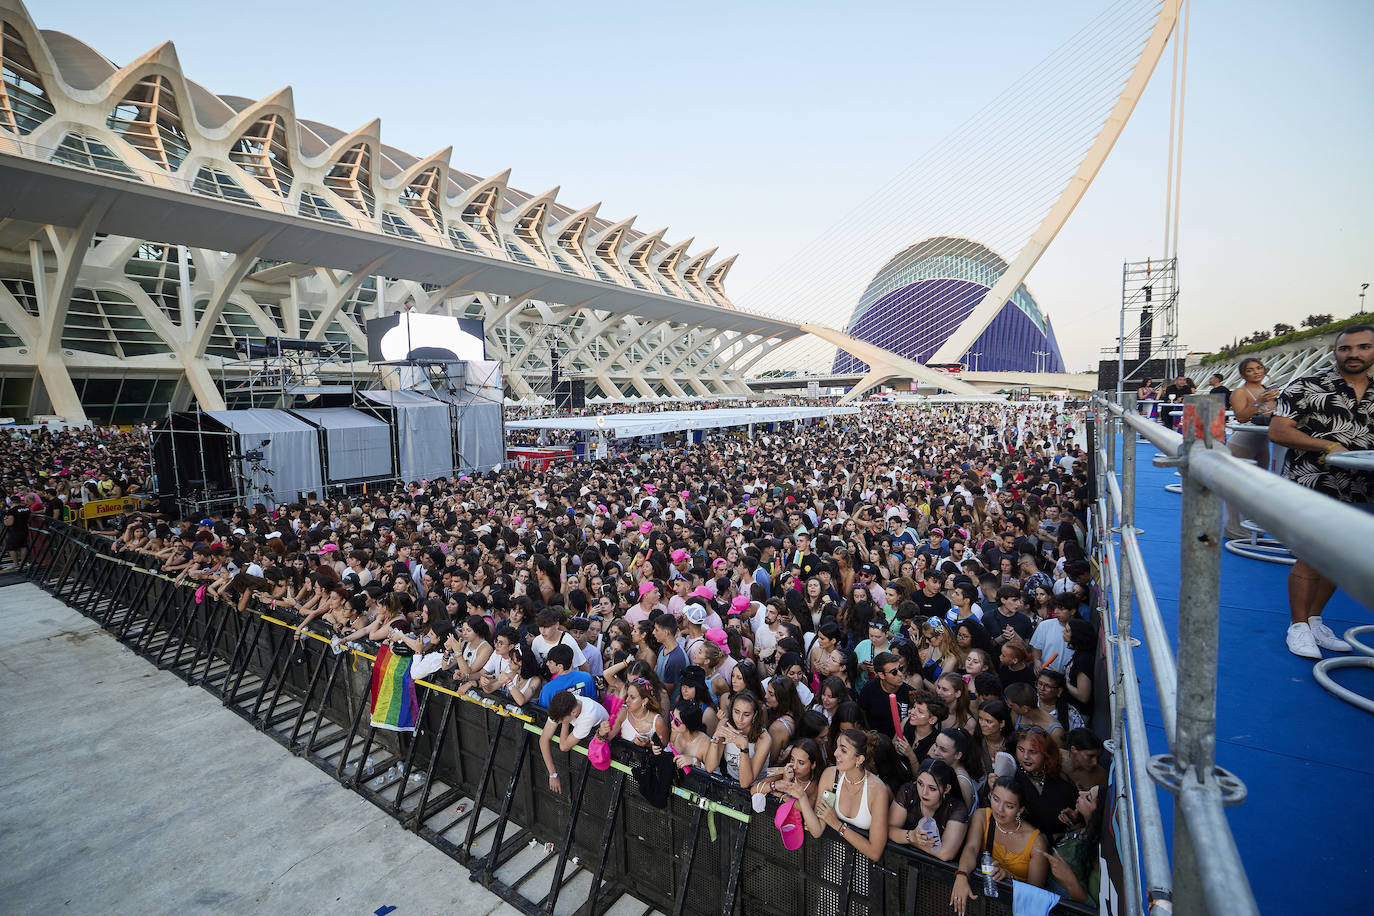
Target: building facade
(198,221)
(922,295)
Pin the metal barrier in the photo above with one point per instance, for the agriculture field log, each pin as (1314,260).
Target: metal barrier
(471,781)
(1187,686)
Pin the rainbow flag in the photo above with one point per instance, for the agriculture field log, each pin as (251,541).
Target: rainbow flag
(394,706)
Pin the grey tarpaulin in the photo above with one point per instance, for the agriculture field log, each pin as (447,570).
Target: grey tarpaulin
(292,454)
(424,440)
(357,445)
(477,430)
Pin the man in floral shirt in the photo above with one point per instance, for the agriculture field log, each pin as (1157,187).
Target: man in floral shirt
(1317,416)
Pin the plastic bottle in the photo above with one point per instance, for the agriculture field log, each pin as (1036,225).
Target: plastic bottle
(928,825)
(987,866)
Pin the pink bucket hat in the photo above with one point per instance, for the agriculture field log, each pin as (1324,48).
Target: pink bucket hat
(789,823)
(599,754)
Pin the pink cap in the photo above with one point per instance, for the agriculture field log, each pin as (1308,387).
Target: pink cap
(684,494)
(628,523)
(702,591)
(739,603)
(515,520)
(719,562)
(645,588)
(599,755)
(679,555)
(646,527)
(789,822)
(717,636)
(650,488)
(601,507)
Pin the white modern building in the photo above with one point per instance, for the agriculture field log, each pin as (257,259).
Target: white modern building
(147,225)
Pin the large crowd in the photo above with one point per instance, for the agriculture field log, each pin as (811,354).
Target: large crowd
(884,618)
(884,621)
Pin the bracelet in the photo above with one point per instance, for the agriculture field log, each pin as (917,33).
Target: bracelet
(908,837)
(552,777)
(961,874)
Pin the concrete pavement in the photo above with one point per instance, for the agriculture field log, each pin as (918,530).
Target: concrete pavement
(122,790)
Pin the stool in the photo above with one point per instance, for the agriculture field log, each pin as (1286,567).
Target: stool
(1259,546)
(1321,670)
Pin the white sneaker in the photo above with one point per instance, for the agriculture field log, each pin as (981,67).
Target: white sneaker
(1301,642)
(1324,637)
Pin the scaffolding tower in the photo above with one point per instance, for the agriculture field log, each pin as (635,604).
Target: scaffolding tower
(1148,342)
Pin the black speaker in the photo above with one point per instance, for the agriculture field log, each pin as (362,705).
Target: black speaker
(570,394)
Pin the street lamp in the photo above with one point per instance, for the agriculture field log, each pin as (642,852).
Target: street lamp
(1363,287)
(1039,357)
(976,355)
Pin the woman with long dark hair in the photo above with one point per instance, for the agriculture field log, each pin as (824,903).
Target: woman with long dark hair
(928,813)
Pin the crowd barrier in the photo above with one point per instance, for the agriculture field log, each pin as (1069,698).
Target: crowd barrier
(472,780)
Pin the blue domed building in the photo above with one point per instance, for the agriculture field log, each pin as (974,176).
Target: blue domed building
(923,293)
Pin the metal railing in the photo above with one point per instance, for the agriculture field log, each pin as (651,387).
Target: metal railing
(1330,535)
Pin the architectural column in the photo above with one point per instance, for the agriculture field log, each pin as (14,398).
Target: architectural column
(54,299)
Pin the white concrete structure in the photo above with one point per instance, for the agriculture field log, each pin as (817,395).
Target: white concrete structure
(147,225)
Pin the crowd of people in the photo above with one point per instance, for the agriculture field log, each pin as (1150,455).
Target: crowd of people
(884,618)
(44,471)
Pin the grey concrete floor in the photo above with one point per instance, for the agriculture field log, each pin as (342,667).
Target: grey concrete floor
(122,790)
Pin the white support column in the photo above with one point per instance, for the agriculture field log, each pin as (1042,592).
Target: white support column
(339,293)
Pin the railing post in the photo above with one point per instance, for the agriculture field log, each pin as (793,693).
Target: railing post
(1201,424)
(1127,479)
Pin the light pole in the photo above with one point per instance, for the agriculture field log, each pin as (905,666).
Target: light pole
(1363,287)
(1040,359)
(976,355)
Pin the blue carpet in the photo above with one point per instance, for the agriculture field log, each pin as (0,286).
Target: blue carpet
(1306,757)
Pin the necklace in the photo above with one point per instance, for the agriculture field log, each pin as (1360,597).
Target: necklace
(1011,832)
(853,782)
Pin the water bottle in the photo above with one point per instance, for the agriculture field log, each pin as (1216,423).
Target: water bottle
(986,866)
(927,825)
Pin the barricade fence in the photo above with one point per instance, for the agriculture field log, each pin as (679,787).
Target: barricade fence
(472,781)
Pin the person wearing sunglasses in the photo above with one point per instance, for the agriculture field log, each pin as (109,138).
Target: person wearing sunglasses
(886,698)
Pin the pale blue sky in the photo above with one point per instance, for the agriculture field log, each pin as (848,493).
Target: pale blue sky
(754,126)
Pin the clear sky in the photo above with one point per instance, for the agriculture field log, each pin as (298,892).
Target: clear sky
(754,126)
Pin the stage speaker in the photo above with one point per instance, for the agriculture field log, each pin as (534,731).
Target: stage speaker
(570,394)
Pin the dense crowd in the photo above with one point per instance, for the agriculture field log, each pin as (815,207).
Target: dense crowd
(45,470)
(884,618)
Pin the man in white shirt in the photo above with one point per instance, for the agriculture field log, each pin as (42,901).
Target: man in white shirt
(574,718)
(551,634)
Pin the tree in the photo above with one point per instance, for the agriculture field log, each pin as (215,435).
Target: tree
(1316,321)
(1259,337)
(1281,329)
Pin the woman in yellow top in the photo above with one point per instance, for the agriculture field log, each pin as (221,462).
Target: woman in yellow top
(1012,846)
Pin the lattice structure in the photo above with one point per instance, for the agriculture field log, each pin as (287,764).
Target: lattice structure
(126,306)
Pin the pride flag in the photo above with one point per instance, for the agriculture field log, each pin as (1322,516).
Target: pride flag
(394,706)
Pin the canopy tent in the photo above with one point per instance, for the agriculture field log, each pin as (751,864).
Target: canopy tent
(357,446)
(290,463)
(424,443)
(477,434)
(632,425)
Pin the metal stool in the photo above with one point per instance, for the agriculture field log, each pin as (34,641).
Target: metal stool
(1321,670)
(1260,546)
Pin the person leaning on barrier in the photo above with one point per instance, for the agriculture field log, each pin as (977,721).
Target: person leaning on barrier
(574,718)
(1001,830)
(1317,416)
(852,795)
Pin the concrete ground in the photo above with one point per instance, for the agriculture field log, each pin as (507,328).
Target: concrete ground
(122,790)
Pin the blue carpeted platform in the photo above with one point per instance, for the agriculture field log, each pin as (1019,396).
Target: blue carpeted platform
(1306,757)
